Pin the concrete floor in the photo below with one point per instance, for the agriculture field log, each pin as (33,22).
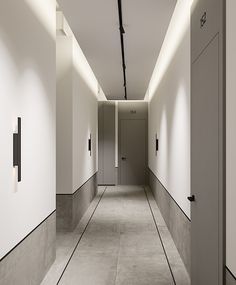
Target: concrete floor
(122,239)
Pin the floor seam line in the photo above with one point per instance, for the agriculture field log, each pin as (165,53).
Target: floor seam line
(76,246)
(167,259)
(118,256)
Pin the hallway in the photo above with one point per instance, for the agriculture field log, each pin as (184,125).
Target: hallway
(118,242)
(118,137)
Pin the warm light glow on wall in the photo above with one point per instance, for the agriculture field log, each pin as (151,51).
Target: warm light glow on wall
(80,62)
(82,67)
(175,33)
(101,94)
(168,96)
(43,11)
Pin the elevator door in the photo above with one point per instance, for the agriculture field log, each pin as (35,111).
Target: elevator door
(205,211)
(132,152)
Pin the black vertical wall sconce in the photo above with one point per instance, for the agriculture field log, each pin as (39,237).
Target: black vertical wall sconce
(90,145)
(17,149)
(157,144)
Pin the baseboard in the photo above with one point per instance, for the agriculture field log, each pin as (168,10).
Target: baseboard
(176,220)
(71,207)
(230,279)
(106,184)
(31,259)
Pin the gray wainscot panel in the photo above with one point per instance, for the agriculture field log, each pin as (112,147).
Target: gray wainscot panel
(71,207)
(31,259)
(177,222)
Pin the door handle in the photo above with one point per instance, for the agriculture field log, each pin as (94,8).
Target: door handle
(123,158)
(191,198)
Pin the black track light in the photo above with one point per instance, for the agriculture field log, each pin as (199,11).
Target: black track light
(122,32)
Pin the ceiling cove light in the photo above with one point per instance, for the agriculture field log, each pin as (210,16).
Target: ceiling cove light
(177,28)
(44,10)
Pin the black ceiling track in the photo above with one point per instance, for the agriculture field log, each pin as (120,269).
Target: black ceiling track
(122,31)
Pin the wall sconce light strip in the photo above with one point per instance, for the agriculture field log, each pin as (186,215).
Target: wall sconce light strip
(17,149)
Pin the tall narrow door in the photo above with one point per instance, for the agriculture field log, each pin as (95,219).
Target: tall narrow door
(205,169)
(132,152)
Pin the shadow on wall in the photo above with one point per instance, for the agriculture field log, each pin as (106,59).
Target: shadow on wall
(18,54)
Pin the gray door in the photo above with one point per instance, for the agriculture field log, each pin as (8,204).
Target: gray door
(205,215)
(132,152)
(106,143)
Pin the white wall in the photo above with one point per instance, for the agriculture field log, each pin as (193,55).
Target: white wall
(77,117)
(27,89)
(85,118)
(169,109)
(101,94)
(231,138)
(64,100)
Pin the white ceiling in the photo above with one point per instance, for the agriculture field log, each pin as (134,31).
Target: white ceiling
(95,24)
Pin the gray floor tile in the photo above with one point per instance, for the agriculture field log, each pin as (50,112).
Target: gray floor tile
(177,266)
(139,270)
(99,243)
(66,242)
(137,227)
(147,244)
(90,270)
(121,244)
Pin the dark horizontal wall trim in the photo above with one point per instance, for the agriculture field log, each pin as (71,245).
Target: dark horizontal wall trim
(170,194)
(230,272)
(106,184)
(27,236)
(135,119)
(69,194)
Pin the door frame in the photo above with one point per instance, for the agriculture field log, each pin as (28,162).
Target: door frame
(222,143)
(119,145)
